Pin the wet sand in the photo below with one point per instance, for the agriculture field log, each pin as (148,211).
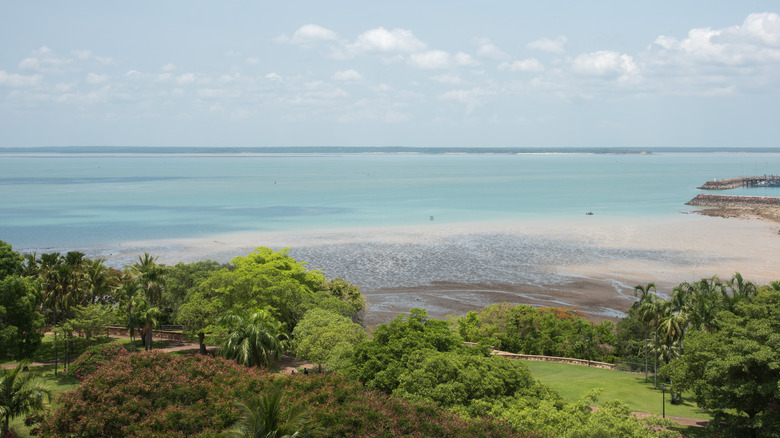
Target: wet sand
(589,263)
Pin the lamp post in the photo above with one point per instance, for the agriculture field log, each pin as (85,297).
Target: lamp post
(663,399)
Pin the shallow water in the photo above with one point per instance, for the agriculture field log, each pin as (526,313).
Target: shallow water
(396,220)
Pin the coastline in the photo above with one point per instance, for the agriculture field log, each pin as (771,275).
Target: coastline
(742,207)
(591,264)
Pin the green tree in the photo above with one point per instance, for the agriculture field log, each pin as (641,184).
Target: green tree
(20,394)
(735,371)
(644,294)
(380,362)
(325,337)
(129,295)
(151,276)
(90,320)
(262,417)
(147,318)
(10,261)
(263,279)
(466,382)
(252,339)
(20,322)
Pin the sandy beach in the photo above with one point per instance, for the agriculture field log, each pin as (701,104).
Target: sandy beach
(590,263)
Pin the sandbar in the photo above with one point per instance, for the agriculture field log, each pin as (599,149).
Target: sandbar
(589,263)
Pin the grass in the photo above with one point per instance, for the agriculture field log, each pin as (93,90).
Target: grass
(573,381)
(57,384)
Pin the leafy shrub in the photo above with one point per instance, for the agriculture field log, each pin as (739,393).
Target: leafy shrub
(548,331)
(93,358)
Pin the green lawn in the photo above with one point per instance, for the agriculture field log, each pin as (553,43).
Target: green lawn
(573,381)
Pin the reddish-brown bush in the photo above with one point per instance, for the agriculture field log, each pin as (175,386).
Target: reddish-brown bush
(162,395)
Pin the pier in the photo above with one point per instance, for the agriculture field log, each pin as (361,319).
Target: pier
(746,181)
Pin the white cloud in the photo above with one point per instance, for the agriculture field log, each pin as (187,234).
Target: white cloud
(486,49)
(432,59)
(163,77)
(308,35)
(252,61)
(94,78)
(29,64)
(82,54)
(233,54)
(554,45)
(604,63)
(105,60)
(168,67)
(393,116)
(273,76)
(530,65)
(347,75)
(464,59)
(383,40)
(472,98)
(186,78)
(14,80)
(448,79)
(756,41)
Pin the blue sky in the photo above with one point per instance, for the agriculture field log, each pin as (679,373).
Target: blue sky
(402,73)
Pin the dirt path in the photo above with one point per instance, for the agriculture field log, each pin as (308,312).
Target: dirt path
(682,421)
(286,364)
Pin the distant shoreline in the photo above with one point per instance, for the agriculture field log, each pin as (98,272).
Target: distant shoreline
(371,150)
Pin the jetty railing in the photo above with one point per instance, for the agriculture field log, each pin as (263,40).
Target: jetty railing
(746,181)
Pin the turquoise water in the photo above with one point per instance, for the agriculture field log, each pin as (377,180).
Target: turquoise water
(78,201)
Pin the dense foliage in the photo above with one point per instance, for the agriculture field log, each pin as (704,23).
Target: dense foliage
(380,362)
(734,369)
(158,394)
(265,279)
(419,359)
(20,322)
(327,338)
(93,358)
(547,331)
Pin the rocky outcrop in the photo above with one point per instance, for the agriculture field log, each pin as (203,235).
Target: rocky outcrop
(733,201)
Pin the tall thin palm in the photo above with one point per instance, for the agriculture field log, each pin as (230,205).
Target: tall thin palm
(651,310)
(262,417)
(643,292)
(252,339)
(129,293)
(20,394)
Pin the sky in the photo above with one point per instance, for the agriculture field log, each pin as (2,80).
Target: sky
(692,73)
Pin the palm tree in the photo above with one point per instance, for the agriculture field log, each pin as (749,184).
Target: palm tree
(253,338)
(650,310)
(261,417)
(644,296)
(703,300)
(20,394)
(148,318)
(150,275)
(99,282)
(740,290)
(129,292)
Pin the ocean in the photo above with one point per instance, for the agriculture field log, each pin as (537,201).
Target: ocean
(332,208)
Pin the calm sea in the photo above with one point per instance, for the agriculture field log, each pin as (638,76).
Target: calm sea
(64,202)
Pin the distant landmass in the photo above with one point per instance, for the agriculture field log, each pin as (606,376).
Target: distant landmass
(371,149)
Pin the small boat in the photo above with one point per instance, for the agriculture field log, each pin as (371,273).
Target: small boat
(590,213)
